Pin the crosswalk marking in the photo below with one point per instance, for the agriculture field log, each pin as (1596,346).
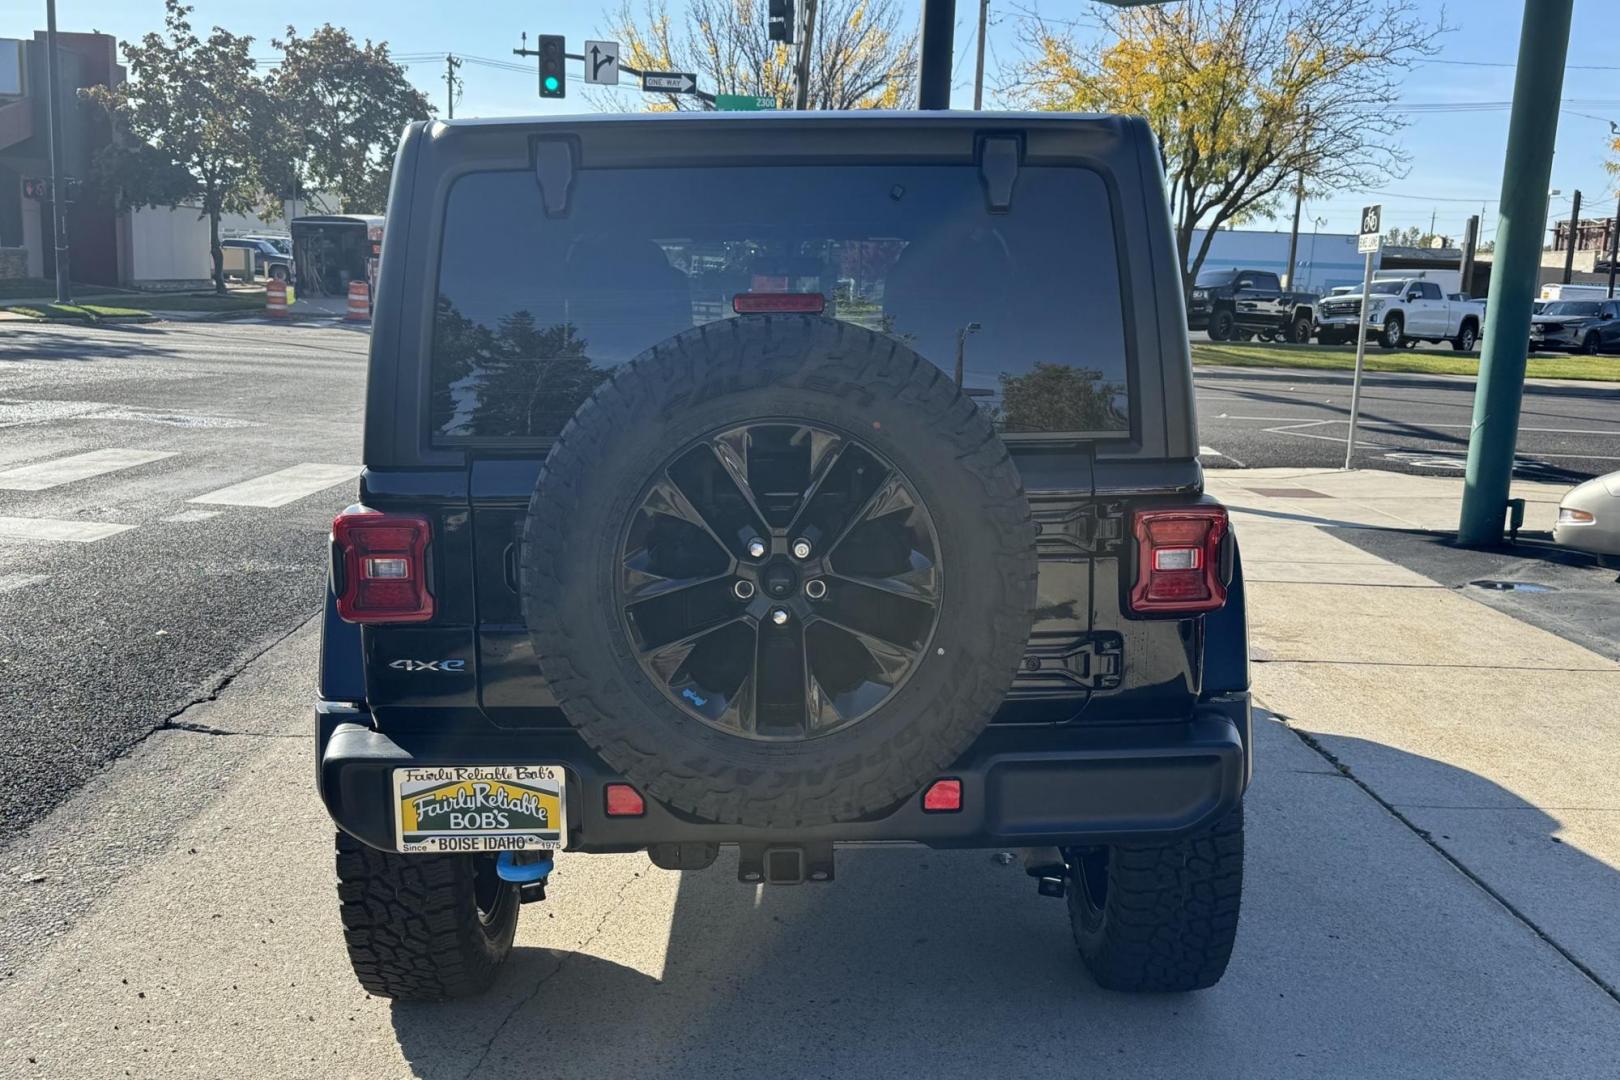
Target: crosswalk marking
(12,582)
(77,532)
(187,516)
(48,474)
(281,487)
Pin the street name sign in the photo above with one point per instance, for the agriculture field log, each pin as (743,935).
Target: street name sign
(743,102)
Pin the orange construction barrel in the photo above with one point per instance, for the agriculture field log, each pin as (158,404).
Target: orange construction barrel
(275,299)
(359,303)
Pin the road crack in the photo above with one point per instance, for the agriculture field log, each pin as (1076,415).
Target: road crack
(617,902)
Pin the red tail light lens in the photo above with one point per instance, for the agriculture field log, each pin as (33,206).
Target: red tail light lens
(1178,560)
(943,797)
(758,303)
(380,563)
(622,800)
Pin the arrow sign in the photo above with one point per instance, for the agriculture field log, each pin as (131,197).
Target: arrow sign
(602,63)
(668,82)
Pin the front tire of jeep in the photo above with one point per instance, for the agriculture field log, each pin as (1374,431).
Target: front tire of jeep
(1222,325)
(423,927)
(1158,918)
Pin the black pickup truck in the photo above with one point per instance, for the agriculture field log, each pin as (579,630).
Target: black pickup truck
(739,486)
(1240,304)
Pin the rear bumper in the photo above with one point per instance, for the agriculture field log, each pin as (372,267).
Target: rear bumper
(1021,787)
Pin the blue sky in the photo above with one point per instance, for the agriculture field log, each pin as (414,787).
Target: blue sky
(1456,157)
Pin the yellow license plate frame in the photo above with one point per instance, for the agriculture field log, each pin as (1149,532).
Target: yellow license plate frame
(462,809)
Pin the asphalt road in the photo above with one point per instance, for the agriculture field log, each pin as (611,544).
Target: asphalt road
(1259,418)
(121,598)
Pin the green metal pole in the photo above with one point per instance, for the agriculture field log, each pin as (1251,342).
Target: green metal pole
(1537,88)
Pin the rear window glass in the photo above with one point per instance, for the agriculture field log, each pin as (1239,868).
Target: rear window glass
(534,312)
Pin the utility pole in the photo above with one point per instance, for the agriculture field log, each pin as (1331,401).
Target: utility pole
(451,63)
(1614,246)
(1433,213)
(801,92)
(1293,234)
(1574,225)
(935,45)
(53,122)
(978,72)
(1470,252)
(1538,83)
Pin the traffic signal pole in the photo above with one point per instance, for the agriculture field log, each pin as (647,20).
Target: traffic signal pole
(1537,87)
(935,48)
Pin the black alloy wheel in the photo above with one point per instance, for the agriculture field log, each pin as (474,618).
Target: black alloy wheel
(779,580)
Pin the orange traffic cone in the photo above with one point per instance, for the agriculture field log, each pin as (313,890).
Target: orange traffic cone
(275,298)
(359,303)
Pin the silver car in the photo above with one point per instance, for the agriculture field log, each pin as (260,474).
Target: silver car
(1589,516)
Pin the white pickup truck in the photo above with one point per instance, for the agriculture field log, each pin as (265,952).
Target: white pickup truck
(1403,312)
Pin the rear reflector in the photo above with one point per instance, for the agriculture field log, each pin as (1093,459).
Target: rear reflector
(943,797)
(764,303)
(624,801)
(379,562)
(1178,560)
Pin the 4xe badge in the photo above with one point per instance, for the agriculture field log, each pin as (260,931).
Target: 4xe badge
(429,665)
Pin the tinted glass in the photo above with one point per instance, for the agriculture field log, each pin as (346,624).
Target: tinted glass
(1263,281)
(1210,278)
(533,312)
(1387,288)
(1430,290)
(1571,307)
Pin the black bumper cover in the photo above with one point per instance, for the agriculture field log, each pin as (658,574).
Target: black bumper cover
(1021,787)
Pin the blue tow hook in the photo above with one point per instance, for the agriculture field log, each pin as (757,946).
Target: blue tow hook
(527,872)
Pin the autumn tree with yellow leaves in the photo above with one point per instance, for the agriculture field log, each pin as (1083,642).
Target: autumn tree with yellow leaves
(1245,96)
(859,57)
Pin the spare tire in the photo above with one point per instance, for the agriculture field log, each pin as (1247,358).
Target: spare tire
(779,571)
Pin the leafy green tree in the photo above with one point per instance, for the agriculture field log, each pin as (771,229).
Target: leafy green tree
(188,125)
(1058,397)
(1245,96)
(859,59)
(340,106)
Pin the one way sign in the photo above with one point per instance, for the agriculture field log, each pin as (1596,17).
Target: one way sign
(668,82)
(602,63)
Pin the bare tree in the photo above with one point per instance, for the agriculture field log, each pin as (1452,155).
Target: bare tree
(859,59)
(1244,95)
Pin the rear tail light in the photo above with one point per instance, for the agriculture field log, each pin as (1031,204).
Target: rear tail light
(761,303)
(379,566)
(1178,560)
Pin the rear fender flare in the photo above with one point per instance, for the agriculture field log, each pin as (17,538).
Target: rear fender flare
(1226,638)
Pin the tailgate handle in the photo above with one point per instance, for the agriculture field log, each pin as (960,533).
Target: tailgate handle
(509,566)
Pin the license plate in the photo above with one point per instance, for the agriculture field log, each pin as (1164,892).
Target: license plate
(464,808)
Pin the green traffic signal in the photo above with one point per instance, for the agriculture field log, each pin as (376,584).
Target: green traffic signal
(553,56)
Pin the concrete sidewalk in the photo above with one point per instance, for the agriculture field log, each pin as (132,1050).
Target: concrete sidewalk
(1497,741)
(1430,890)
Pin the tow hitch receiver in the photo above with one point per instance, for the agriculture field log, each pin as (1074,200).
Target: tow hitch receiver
(784,864)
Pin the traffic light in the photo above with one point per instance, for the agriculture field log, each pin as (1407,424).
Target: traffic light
(780,23)
(553,75)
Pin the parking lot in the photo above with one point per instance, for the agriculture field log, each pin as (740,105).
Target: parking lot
(1432,866)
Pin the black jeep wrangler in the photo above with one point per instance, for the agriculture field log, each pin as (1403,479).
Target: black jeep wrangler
(778,482)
